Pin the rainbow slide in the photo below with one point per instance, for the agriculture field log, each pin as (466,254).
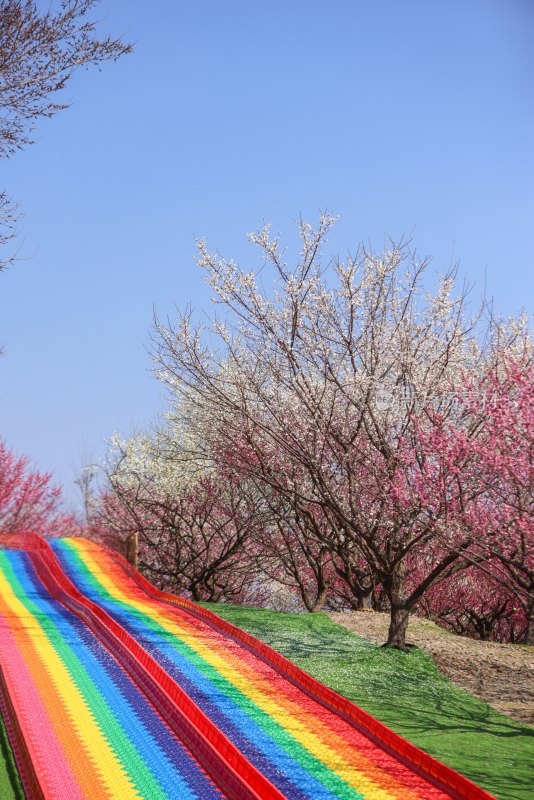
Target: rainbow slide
(110,688)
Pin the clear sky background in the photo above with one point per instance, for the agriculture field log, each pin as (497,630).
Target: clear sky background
(399,116)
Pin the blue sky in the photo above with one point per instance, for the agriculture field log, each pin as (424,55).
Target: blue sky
(413,116)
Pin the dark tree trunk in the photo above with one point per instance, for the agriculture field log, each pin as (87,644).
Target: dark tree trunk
(529,636)
(395,586)
(358,597)
(132,549)
(319,602)
(313,601)
(397,627)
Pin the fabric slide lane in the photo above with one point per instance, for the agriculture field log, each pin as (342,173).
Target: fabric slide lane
(306,751)
(92,733)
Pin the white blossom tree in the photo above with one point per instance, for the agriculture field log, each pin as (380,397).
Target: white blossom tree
(344,370)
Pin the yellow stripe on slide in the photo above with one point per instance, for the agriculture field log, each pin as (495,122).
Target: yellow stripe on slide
(106,764)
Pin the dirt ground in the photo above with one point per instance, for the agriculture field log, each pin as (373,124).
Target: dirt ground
(500,674)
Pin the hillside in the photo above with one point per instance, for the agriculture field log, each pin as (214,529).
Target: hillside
(500,674)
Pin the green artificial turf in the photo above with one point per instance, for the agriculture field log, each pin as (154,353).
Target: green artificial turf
(10,785)
(407,693)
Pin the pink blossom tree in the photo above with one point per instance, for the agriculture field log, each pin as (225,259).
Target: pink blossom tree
(472,603)
(494,451)
(28,500)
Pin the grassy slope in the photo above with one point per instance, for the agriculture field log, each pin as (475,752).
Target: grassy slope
(10,786)
(407,693)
